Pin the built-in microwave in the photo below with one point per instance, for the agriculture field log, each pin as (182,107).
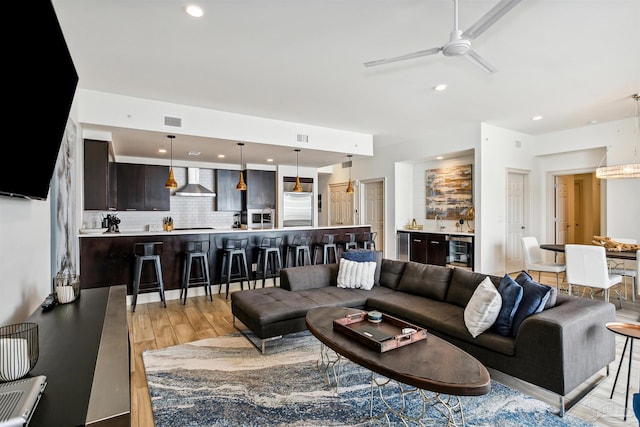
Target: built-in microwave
(259,218)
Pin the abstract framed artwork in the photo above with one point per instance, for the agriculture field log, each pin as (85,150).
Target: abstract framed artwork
(449,192)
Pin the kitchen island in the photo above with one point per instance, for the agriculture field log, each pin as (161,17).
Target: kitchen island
(106,259)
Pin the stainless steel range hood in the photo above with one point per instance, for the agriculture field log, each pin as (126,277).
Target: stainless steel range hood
(193,187)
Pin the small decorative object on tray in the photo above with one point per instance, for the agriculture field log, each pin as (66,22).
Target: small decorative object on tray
(374,316)
(386,334)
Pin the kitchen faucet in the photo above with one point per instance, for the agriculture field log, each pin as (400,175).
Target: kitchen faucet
(439,221)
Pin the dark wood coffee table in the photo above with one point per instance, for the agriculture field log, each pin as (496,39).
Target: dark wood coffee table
(431,365)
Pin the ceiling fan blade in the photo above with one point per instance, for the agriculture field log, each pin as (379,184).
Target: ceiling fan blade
(489,18)
(472,56)
(403,57)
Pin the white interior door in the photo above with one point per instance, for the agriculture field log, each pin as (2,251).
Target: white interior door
(373,209)
(340,205)
(516,220)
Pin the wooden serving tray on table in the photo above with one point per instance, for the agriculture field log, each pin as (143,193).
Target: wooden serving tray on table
(383,336)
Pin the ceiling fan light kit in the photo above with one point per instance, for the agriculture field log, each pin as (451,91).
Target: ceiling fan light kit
(459,43)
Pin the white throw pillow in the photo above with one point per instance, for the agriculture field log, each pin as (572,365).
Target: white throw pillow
(352,274)
(483,308)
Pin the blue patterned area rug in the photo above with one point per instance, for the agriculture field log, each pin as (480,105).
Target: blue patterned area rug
(226,381)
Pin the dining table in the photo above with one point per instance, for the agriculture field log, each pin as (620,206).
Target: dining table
(621,255)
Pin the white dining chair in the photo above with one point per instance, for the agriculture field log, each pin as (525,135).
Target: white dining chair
(623,268)
(587,266)
(533,260)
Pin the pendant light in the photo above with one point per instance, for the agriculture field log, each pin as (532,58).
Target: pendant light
(241,185)
(350,186)
(171,181)
(628,170)
(297,188)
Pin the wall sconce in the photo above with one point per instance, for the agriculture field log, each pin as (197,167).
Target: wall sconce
(171,181)
(297,188)
(241,185)
(350,186)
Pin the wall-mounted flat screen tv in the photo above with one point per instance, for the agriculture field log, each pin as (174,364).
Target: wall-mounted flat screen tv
(40,82)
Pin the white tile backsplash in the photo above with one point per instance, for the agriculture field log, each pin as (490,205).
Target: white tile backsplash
(185,211)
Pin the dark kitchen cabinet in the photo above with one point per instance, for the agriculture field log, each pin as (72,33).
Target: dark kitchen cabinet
(227,197)
(428,248)
(418,247)
(261,189)
(99,176)
(141,187)
(437,249)
(156,195)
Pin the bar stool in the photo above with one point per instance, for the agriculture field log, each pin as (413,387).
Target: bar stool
(369,240)
(300,250)
(327,245)
(351,241)
(269,261)
(197,251)
(147,252)
(234,253)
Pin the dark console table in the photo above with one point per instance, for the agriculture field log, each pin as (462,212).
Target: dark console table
(84,353)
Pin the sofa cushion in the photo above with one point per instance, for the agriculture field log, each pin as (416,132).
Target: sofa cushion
(483,308)
(366,255)
(271,304)
(511,293)
(534,297)
(464,283)
(440,318)
(352,274)
(309,277)
(391,273)
(426,280)
(331,296)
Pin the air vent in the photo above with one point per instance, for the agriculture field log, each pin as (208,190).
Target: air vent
(175,122)
(303,138)
(347,164)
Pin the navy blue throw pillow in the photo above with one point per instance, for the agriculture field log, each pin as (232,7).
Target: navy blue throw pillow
(511,293)
(534,297)
(359,255)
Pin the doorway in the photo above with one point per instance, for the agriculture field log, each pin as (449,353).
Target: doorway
(372,208)
(516,218)
(577,208)
(340,205)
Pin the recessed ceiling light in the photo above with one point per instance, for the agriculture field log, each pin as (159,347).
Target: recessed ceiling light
(194,153)
(536,118)
(195,11)
(221,156)
(592,122)
(269,160)
(439,158)
(440,87)
(162,150)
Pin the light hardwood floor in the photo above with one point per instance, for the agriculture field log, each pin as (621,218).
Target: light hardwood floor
(153,327)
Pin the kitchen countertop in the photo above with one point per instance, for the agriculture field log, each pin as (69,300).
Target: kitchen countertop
(99,233)
(449,232)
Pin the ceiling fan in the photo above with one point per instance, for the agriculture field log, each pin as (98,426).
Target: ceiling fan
(459,43)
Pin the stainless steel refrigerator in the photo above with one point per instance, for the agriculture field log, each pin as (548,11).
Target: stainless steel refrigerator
(297,209)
